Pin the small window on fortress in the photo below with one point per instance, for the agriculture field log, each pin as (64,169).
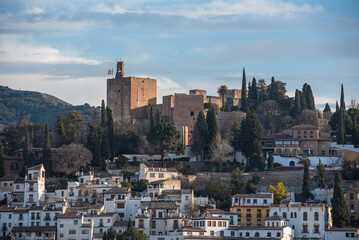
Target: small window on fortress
(192,113)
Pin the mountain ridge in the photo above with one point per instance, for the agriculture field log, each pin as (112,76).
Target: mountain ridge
(41,107)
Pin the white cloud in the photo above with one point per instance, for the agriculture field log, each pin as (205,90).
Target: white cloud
(34,10)
(12,50)
(213,8)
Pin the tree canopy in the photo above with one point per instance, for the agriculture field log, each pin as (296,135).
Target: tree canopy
(279,192)
(164,138)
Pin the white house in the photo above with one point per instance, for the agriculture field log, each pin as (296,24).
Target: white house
(307,220)
(342,233)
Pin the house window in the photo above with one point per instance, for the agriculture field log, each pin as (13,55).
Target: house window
(152,175)
(161,175)
(212,233)
(256,234)
(247,234)
(265,201)
(76,222)
(72,231)
(278,234)
(305,228)
(254,201)
(221,233)
(239,212)
(269,234)
(305,134)
(191,114)
(285,215)
(316,216)
(351,196)
(323,152)
(305,216)
(248,213)
(248,222)
(248,201)
(316,228)
(232,233)
(311,134)
(61,225)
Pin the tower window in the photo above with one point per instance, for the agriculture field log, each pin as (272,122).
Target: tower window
(192,114)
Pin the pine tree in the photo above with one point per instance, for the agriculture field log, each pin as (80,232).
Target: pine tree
(200,136)
(297,104)
(306,187)
(212,133)
(103,114)
(321,174)
(60,128)
(341,128)
(340,214)
(342,102)
(244,106)
(309,98)
(1,159)
(111,133)
(327,108)
(46,151)
(152,118)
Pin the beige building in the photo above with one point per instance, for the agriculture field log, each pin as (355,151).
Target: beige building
(131,100)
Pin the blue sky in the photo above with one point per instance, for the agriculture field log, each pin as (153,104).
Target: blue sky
(64,48)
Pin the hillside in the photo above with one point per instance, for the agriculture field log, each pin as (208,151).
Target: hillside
(40,107)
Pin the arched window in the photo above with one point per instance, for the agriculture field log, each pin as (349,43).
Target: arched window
(311,134)
(305,134)
(275,213)
(305,216)
(287,151)
(285,215)
(299,134)
(316,216)
(278,152)
(294,152)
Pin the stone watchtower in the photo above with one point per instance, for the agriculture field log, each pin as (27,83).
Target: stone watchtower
(125,94)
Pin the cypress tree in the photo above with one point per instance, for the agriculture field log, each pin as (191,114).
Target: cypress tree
(336,106)
(270,161)
(303,101)
(297,104)
(355,131)
(321,174)
(200,136)
(306,187)
(111,132)
(27,153)
(254,90)
(1,159)
(341,128)
(103,114)
(269,122)
(249,90)
(212,132)
(340,214)
(94,140)
(244,106)
(309,97)
(342,102)
(46,151)
(60,128)
(236,135)
(252,135)
(152,118)
(327,108)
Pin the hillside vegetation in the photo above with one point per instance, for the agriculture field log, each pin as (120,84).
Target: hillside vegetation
(42,108)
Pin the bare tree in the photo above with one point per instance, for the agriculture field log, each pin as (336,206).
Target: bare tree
(354,104)
(70,158)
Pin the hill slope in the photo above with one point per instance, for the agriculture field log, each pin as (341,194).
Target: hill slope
(41,107)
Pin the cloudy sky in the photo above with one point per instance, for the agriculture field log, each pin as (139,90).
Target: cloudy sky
(64,48)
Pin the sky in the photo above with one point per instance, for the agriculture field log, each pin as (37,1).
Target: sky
(64,48)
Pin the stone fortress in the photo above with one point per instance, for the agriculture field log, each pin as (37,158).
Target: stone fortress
(131,99)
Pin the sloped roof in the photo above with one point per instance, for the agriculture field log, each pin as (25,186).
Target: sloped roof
(34,229)
(9,177)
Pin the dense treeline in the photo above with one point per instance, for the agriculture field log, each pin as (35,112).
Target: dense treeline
(42,108)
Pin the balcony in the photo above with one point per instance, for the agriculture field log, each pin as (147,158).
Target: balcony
(248,215)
